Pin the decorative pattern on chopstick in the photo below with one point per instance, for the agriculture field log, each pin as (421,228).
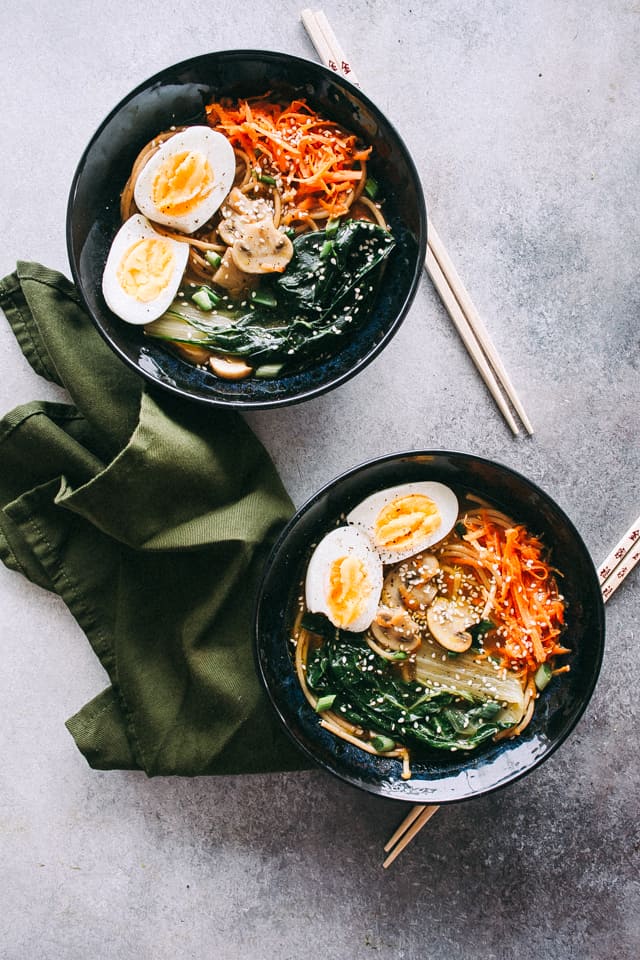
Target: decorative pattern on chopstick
(327,45)
(621,561)
(438,264)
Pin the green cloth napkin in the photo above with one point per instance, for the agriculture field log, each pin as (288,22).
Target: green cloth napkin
(151,517)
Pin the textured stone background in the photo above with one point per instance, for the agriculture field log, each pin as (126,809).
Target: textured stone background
(524,121)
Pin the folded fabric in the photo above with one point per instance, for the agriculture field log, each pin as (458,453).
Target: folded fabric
(151,517)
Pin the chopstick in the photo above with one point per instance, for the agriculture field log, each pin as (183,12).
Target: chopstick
(617,565)
(462,325)
(419,815)
(475,326)
(327,44)
(621,561)
(438,264)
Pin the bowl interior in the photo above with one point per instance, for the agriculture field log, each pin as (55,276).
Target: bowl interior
(452,776)
(177,96)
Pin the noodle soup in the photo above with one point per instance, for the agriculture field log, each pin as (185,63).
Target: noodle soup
(464,624)
(253,245)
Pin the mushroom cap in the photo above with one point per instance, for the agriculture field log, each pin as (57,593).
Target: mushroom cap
(448,621)
(230,229)
(395,629)
(415,576)
(240,210)
(262,249)
(231,278)
(229,368)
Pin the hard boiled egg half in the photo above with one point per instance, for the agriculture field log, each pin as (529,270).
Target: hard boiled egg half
(186,180)
(143,271)
(344,579)
(406,519)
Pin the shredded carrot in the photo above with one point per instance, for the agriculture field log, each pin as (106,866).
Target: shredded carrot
(319,166)
(528,607)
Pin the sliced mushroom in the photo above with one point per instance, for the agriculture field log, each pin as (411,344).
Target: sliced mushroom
(251,210)
(391,589)
(417,597)
(239,211)
(395,629)
(416,588)
(424,565)
(410,585)
(231,229)
(448,621)
(229,368)
(228,276)
(191,352)
(262,249)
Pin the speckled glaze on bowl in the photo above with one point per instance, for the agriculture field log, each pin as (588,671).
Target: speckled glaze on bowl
(178,95)
(449,777)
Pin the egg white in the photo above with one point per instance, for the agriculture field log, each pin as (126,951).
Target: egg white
(365,514)
(118,300)
(339,543)
(219,153)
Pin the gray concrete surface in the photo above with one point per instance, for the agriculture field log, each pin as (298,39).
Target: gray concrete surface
(524,121)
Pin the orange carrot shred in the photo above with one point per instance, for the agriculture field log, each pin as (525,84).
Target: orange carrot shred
(315,160)
(527,606)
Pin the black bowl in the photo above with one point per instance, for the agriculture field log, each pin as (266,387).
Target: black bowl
(449,777)
(178,95)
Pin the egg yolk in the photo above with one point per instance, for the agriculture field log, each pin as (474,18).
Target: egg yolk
(182,182)
(406,521)
(349,587)
(146,268)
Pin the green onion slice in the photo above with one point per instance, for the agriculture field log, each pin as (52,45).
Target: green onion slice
(213,258)
(543,676)
(382,744)
(325,703)
(264,297)
(371,188)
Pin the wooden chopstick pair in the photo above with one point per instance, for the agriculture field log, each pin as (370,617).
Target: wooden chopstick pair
(618,565)
(327,44)
(438,264)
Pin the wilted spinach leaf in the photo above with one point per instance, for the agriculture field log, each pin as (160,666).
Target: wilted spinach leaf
(325,292)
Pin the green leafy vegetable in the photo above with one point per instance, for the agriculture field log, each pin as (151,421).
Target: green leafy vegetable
(370,692)
(482,627)
(317,665)
(320,299)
